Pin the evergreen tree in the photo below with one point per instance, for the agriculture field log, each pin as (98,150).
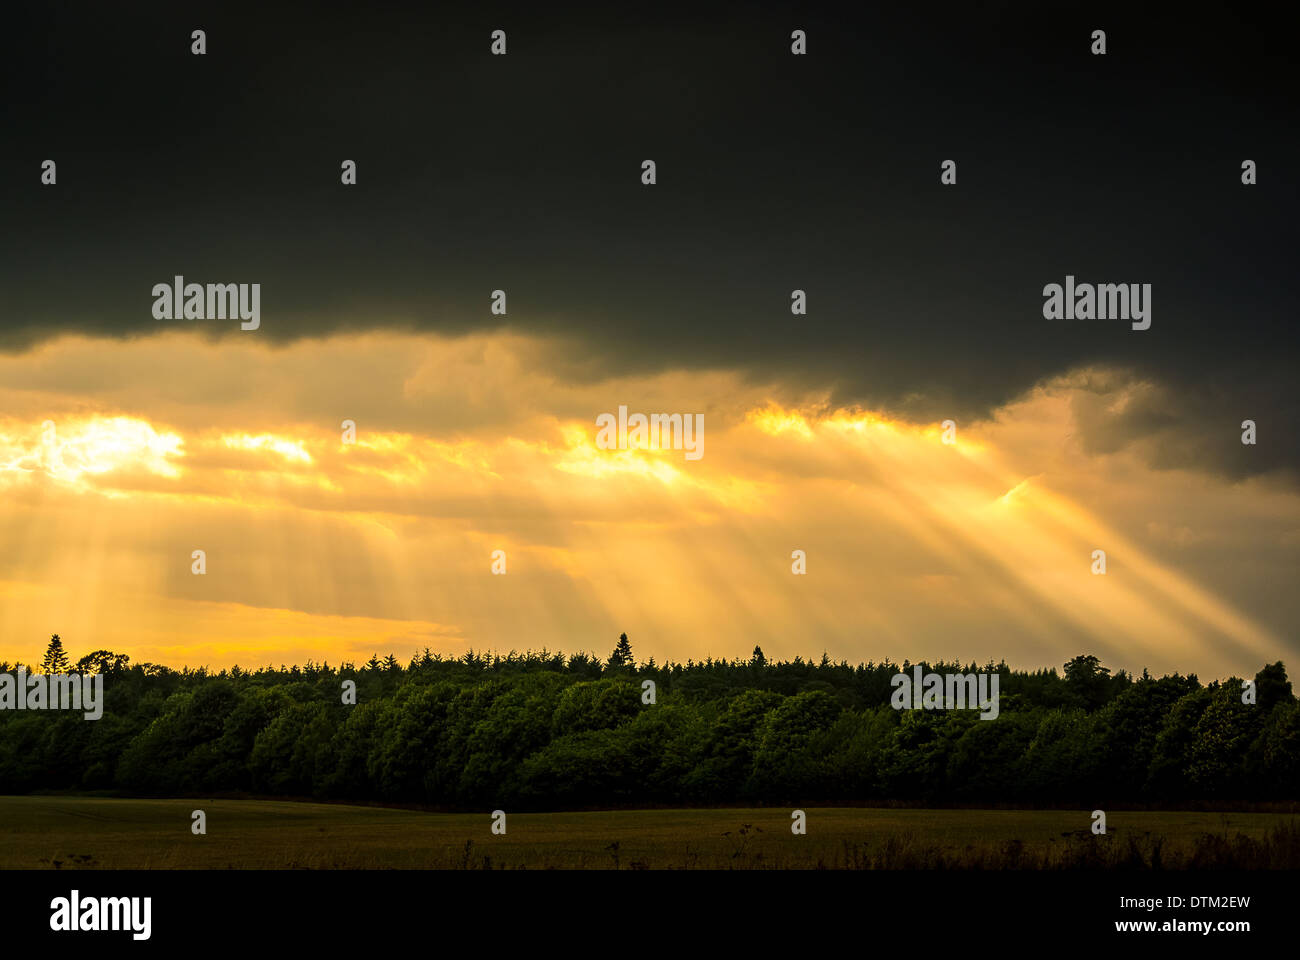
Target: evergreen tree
(758,659)
(622,655)
(55,660)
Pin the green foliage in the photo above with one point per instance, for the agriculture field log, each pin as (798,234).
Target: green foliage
(1272,686)
(599,705)
(1219,742)
(292,753)
(789,756)
(1273,763)
(1086,680)
(545,730)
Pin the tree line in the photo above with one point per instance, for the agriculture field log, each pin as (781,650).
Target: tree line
(543,730)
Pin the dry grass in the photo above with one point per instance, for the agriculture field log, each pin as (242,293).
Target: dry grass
(67,833)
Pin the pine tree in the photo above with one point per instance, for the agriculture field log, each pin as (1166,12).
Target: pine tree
(758,659)
(55,660)
(622,655)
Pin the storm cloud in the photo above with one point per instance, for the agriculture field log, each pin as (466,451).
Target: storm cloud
(775,173)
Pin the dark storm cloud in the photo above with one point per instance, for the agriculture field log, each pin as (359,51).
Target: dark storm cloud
(775,172)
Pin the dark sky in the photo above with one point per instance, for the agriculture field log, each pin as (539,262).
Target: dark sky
(775,172)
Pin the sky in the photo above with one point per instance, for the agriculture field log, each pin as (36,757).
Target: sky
(128,441)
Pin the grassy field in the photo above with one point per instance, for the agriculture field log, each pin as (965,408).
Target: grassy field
(68,833)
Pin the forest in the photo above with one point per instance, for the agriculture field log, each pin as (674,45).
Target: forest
(549,731)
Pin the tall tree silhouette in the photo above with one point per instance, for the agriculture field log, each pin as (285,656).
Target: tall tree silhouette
(622,655)
(55,660)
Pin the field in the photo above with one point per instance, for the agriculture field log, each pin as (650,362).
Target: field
(66,833)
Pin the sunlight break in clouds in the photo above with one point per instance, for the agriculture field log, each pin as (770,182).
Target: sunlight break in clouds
(332,550)
(93,445)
